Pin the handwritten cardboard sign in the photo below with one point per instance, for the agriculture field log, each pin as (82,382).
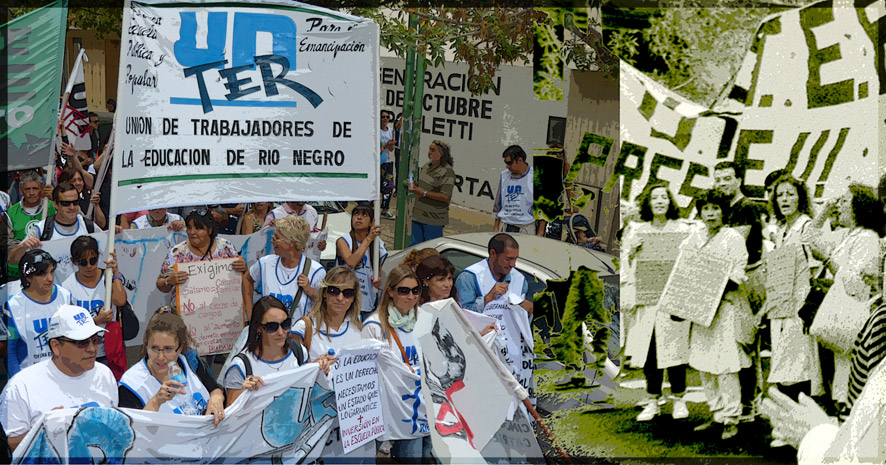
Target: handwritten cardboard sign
(787,281)
(654,263)
(211,304)
(355,377)
(695,287)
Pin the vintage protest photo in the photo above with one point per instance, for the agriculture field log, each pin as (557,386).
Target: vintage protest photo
(752,320)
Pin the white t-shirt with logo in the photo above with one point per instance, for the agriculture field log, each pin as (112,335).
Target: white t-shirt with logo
(323,340)
(372,330)
(143,222)
(30,320)
(90,298)
(43,387)
(272,278)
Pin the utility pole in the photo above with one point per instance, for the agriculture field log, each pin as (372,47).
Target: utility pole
(413,89)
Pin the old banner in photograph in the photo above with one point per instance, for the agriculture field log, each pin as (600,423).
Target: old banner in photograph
(33,45)
(804,100)
(286,421)
(245,102)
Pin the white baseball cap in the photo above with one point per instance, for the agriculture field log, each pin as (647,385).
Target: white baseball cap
(74,323)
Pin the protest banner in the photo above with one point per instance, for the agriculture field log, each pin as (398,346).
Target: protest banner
(140,254)
(787,281)
(467,396)
(254,102)
(34,46)
(211,303)
(695,287)
(286,421)
(312,250)
(513,322)
(805,100)
(355,379)
(655,260)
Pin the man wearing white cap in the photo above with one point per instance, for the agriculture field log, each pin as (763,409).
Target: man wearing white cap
(70,379)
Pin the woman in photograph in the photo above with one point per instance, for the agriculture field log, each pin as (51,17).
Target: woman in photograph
(715,350)
(655,341)
(794,364)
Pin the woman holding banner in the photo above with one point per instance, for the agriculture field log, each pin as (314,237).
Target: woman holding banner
(267,351)
(794,364)
(333,324)
(356,251)
(147,385)
(202,244)
(393,323)
(655,341)
(715,350)
(851,254)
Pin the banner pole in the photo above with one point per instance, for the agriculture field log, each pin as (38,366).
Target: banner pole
(103,170)
(547,431)
(61,111)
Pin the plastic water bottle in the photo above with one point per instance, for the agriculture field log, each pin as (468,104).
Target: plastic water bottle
(411,179)
(180,401)
(331,352)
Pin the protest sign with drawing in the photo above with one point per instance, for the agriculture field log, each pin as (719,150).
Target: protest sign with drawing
(695,286)
(211,304)
(312,250)
(655,260)
(355,377)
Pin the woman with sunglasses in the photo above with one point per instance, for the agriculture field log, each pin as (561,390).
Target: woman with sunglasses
(393,323)
(202,244)
(267,351)
(334,322)
(147,384)
(87,284)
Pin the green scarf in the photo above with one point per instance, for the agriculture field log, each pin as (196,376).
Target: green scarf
(398,320)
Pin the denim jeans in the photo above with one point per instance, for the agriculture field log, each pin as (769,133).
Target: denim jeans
(411,450)
(424,232)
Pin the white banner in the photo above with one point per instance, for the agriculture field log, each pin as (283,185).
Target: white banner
(76,122)
(140,253)
(245,103)
(286,421)
(804,100)
(355,377)
(403,404)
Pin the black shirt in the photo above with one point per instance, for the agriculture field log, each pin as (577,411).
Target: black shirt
(748,212)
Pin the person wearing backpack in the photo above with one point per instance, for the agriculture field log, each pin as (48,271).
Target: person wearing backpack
(66,222)
(268,349)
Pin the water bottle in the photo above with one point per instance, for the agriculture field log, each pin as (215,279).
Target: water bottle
(331,352)
(180,402)
(411,179)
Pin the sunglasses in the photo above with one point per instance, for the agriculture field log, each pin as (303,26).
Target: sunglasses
(67,203)
(403,290)
(273,326)
(91,261)
(97,340)
(509,163)
(335,291)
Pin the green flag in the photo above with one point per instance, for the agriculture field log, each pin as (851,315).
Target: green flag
(34,47)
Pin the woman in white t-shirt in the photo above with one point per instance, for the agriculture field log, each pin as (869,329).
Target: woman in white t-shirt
(335,318)
(334,323)
(267,349)
(393,323)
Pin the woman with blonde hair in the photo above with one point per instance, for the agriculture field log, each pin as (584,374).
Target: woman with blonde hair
(287,274)
(393,323)
(334,322)
(416,256)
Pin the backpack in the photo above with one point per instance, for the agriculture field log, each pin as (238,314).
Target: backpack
(50,225)
(293,346)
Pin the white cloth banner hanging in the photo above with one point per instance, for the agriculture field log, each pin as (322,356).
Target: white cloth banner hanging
(140,253)
(286,421)
(270,102)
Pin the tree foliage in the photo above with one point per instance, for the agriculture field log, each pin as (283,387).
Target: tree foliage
(101,19)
